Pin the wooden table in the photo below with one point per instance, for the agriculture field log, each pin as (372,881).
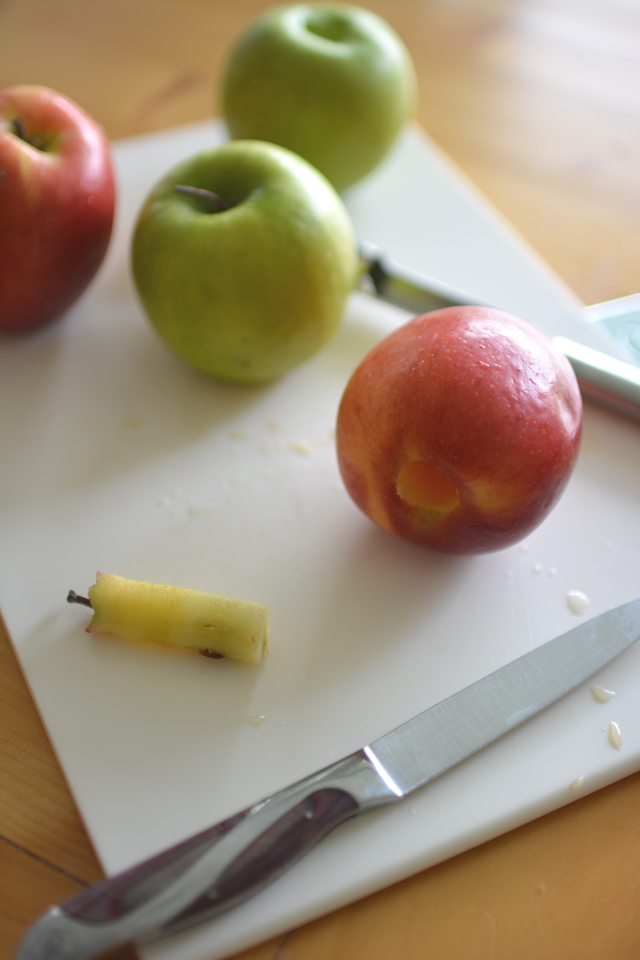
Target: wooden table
(537,100)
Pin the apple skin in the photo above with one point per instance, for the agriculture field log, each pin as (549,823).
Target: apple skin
(247,293)
(333,83)
(481,397)
(56,205)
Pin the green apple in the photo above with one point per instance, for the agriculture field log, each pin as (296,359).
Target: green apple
(244,257)
(333,83)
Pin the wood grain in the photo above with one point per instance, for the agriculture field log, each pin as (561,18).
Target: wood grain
(537,101)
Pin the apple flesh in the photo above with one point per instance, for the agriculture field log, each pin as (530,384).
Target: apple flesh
(56,204)
(173,616)
(333,83)
(244,257)
(460,429)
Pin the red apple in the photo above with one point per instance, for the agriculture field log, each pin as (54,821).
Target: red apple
(56,204)
(460,429)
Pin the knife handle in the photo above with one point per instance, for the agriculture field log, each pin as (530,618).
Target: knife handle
(265,857)
(273,852)
(209,872)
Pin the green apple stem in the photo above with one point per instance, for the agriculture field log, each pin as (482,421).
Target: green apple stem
(19,130)
(72,597)
(211,202)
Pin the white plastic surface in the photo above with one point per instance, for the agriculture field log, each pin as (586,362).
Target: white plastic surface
(117,457)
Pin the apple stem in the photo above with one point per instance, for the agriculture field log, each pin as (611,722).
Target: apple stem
(72,597)
(212,202)
(18,126)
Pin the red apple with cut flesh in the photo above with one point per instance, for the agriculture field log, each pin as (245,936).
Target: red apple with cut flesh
(56,204)
(460,429)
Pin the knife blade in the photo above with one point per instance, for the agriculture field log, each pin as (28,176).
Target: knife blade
(227,863)
(607,380)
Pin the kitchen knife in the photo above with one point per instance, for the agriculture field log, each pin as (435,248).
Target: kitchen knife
(229,862)
(602,378)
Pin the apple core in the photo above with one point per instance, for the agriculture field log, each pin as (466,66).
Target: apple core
(422,485)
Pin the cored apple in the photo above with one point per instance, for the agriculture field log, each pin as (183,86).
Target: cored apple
(56,204)
(460,429)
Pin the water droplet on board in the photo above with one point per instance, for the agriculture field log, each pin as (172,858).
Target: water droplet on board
(615,737)
(601,694)
(255,721)
(577,783)
(578,602)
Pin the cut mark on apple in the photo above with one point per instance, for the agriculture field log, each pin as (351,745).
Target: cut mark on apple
(422,485)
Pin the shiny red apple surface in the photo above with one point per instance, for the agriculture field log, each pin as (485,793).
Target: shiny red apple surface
(460,429)
(56,204)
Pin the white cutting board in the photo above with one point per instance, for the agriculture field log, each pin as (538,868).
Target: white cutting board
(117,457)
